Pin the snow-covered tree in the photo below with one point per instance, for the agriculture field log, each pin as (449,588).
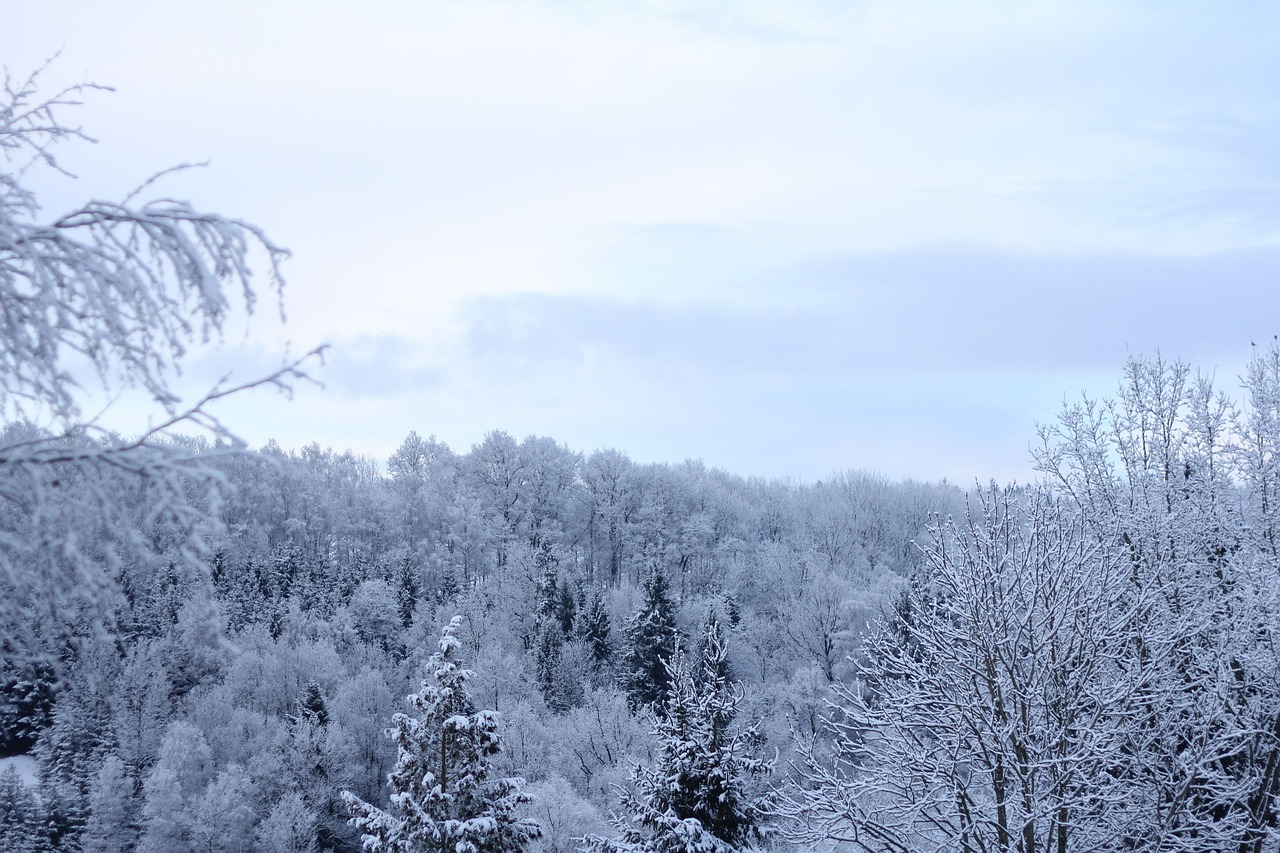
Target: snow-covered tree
(561,685)
(21,818)
(651,639)
(564,815)
(594,629)
(710,651)
(104,299)
(223,818)
(1169,471)
(165,815)
(993,712)
(700,797)
(112,824)
(441,795)
(290,828)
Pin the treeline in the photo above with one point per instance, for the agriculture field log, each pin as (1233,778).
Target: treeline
(1087,663)
(227,708)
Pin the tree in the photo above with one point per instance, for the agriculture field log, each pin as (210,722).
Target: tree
(697,799)
(441,795)
(995,716)
(561,686)
(711,653)
(594,629)
(651,639)
(105,299)
(111,827)
(21,817)
(290,828)
(817,622)
(1182,483)
(222,818)
(165,815)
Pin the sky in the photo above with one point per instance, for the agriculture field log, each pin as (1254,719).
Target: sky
(788,239)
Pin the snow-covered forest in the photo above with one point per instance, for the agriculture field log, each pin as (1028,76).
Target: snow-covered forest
(274,669)
(1083,664)
(527,646)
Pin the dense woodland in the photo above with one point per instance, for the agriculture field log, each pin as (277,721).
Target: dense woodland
(527,647)
(1085,663)
(275,671)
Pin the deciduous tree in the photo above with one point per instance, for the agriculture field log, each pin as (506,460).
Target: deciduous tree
(995,717)
(104,299)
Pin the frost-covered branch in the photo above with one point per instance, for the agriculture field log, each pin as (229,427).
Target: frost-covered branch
(106,299)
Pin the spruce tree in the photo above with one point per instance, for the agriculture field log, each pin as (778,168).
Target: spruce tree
(711,645)
(311,706)
(697,799)
(566,609)
(651,639)
(595,630)
(548,656)
(441,796)
(111,827)
(21,816)
(548,592)
(28,687)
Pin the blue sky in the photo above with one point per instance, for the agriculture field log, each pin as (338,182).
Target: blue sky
(786,238)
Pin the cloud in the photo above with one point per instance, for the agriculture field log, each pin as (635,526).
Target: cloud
(924,363)
(765,234)
(378,367)
(941,311)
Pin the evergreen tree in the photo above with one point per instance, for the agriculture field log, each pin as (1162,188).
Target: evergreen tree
(20,816)
(111,827)
(562,690)
(408,589)
(72,749)
(566,609)
(548,590)
(732,608)
(440,791)
(651,638)
(311,706)
(697,799)
(595,630)
(547,658)
(28,687)
(449,587)
(711,646)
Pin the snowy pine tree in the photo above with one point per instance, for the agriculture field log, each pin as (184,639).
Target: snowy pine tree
(651,638)
(111,827)
(561,690)
(697,800)
(21,817)
(441,795)
(594,630)
(711,647)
